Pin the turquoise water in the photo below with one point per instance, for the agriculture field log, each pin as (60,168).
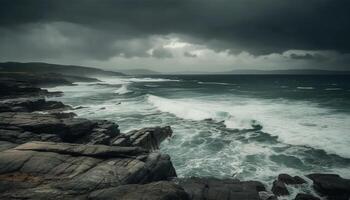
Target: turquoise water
(247,127)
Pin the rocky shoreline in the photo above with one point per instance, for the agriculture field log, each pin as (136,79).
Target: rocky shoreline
(46,152)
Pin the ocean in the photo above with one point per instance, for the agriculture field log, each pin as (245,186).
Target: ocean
(250,127)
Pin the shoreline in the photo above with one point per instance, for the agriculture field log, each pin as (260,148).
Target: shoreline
(45,156)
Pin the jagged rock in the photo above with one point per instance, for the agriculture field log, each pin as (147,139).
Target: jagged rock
(289,180)
(265,195)
(30,105)
(19,136)
(217,189)
(162,190)
(121,140)
(63,115)
(4,145)
(11,87)
(149,138)
(60,169)
(331,185)
(103,132)
(302,196)
(69,129)
(279,188)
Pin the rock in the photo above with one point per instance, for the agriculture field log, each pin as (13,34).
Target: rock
(63,115)
(61,170)
(30,105)
(149,138)
(289,180)
(121,140)
(302,196)
(265,195)
(331,185)
(96,151)
(6,145)
(36,125)
(279,188)
(13,88)
(103,132)
(162,190)
(217,189)
(19,136)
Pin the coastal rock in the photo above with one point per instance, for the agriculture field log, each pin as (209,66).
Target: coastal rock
(149,138)
(302,196)
(31,104)
(266,195)
(331,185)
(289,180)
(162,190)
(103,132)
(33,126)
(19,136)
(279,188)
(11,87)
(217,189)
(61,169)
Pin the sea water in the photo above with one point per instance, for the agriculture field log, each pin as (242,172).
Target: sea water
(250,127)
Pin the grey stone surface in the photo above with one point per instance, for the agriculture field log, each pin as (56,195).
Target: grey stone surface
(331,185)
(289,180)
(279,188)
(72,169)
(216,189)
(162,190)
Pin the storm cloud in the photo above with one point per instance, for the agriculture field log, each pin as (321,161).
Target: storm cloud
(104,29)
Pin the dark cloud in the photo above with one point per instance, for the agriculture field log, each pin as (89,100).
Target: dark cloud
(190,55)
(105,28)
(161,53)
(308,56)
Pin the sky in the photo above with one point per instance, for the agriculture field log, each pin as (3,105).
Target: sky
(178,35)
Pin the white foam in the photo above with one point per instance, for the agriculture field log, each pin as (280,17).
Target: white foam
(305,88)
(214,83)
(151,80)
(289,120)
(332,89)
(123,90)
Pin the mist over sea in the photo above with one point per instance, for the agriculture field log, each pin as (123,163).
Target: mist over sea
(251,127)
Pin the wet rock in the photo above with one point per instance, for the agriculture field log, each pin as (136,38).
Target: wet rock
(45,169)
(149,138)
(162,190)
(30,105)
(63,115)
(289,180)
(121,140)
(69,129)
(265,195)
(4,145)
(103,132)
(10,88)
(302,196)
(331,185)
(19,136)
(279,188)
(217,189)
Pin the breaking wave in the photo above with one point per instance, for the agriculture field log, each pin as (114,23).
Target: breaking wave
(294,122)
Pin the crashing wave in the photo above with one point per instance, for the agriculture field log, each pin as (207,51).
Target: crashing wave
(122,90)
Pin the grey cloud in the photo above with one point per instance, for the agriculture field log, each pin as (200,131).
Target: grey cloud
(308,56)
(62,39)
(253,25)
(190,55)
(161,53)
(102,29)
